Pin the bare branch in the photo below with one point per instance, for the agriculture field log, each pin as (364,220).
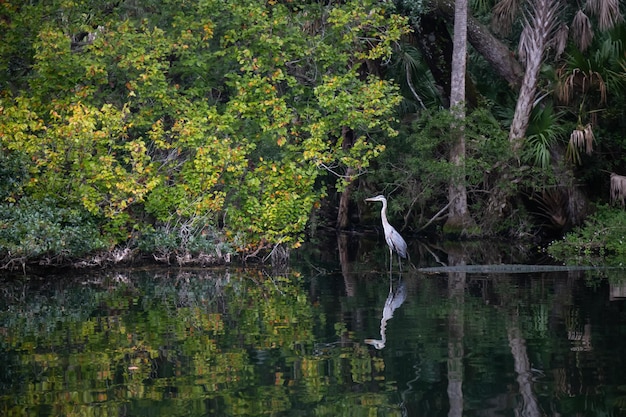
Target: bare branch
(436,216)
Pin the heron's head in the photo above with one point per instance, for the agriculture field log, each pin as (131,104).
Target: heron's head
(378,344)
(377,198)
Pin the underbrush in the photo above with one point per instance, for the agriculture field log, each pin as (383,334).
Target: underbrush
(600,241)
(41,233)
(39,230)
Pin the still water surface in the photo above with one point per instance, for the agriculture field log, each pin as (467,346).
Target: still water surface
(314,341)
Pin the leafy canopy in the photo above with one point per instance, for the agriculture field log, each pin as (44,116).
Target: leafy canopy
(218,114)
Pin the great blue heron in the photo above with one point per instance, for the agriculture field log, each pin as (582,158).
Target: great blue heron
(393,238)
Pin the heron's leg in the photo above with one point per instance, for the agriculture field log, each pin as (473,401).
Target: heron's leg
(390,260)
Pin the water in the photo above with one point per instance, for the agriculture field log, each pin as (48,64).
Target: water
(314,342)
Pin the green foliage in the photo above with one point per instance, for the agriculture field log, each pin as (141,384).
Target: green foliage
(412,8)
(415,80)
(159,114)
(600,241)
(32,229)
(415,167)
(544,130)
(191,242)
(12,173)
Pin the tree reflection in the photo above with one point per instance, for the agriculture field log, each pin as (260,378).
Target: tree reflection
(528,407)
(456,332)
(246,343)
(199,341)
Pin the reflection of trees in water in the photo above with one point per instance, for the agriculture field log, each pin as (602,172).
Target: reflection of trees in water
(456,333)
(551,333)
(528,406)
(545,309)
(210,336)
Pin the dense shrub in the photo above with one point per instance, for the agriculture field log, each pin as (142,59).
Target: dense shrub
(600,241)
(191,242)
(31,229)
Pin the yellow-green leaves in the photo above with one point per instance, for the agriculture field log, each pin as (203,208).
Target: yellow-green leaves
(367,26)
(217,114)
(278,196)
(79,154)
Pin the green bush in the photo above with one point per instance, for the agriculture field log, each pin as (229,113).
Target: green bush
(32,229)
(191,238)
(415,168)
(600,241)
(12,173)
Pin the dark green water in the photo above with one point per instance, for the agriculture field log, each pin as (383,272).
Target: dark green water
(315,343)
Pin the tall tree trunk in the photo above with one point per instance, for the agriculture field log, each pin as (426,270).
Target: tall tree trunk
(458,215)
(435,43)
(535,37)
(499,56)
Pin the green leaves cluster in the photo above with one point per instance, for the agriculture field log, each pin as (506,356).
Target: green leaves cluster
(37,229)
(600,241)
(216,113)
(415,167)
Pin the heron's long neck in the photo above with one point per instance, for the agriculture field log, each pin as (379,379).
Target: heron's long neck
(383,213)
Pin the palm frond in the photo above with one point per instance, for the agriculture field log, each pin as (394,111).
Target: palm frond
(480,5)
(525,45)
(610,58)
(560,40)
(581,31)
(543,131)
(607,12)
(581,139)
(609,49)
(416,81)
(580,76)
(503,16)
(564,86)
(618,189)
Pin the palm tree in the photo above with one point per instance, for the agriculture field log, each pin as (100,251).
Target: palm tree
(543,29)
(538,32)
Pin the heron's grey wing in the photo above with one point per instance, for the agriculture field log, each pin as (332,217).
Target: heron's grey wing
(397,243)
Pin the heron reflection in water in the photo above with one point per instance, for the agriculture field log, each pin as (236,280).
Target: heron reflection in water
(392,237)
(394,300)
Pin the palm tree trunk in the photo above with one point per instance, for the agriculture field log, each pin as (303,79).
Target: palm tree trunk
(525,102)
(534,40)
